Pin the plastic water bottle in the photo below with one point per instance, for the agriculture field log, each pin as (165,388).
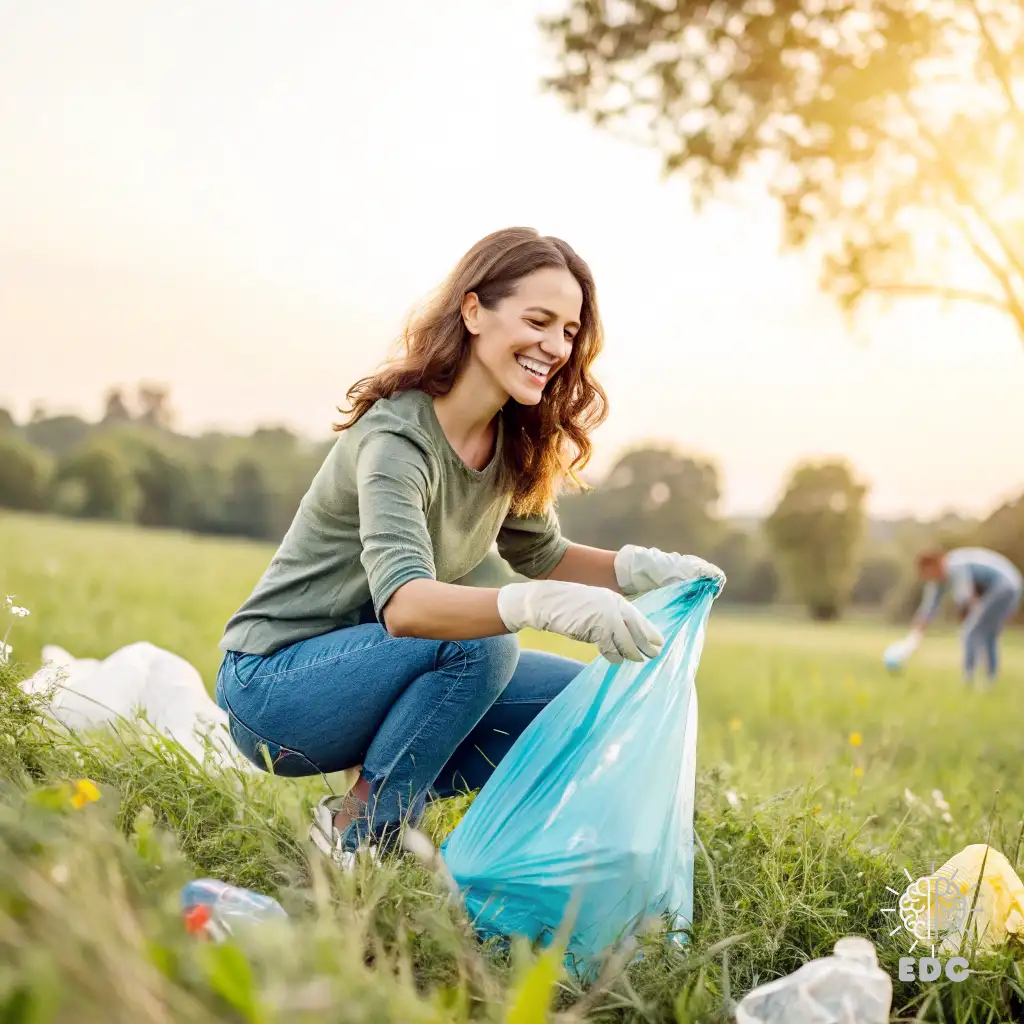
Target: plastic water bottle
(213,908)
(846,988)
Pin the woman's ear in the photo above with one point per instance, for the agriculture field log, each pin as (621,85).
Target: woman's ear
(471,312)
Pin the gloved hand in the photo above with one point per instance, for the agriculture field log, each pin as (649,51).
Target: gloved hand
(897,654)
(591,614)
(639,570)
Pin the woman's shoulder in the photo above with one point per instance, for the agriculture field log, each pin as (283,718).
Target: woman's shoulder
(406,415)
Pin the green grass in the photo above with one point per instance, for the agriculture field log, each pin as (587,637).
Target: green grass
(88,921)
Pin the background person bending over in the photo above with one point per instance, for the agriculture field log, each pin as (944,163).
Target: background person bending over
(356,648)
(986,588)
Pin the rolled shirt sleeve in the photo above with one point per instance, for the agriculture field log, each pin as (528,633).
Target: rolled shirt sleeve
(393,481)
(532,545)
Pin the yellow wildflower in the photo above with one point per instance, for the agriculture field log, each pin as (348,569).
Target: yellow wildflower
(85,792)
(856,739)
(735,724)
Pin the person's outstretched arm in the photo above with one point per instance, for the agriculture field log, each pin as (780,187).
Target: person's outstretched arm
(535,548)
(631,570)
(581,564)
(931,598)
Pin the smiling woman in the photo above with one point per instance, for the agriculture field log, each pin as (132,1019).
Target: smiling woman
(357,648)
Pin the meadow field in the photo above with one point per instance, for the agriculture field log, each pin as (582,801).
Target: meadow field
(816,789)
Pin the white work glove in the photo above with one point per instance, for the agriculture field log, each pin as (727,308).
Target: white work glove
(592,614)
(638,570)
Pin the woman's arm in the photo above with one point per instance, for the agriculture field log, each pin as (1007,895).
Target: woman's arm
(631,570)
(446,611)
(593,566)
(442,611)
(931,598)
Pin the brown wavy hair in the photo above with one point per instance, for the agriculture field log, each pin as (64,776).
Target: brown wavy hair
(544,444)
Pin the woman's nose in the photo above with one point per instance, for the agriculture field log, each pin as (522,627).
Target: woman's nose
(557,347)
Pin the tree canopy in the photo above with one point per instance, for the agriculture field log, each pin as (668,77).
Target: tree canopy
(890,131)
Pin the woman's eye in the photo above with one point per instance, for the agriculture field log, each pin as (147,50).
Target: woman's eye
(569,336)
(536,323)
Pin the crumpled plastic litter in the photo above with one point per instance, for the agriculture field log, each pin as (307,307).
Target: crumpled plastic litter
(589,817)
(138,679)
(216,909)
(846,988)
(999,910)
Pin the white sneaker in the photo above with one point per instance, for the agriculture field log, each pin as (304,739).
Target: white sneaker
(328,839)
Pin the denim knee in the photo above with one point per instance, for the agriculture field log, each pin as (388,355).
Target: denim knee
(491,660)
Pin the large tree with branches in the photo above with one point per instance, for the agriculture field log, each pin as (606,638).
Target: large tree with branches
(891,131)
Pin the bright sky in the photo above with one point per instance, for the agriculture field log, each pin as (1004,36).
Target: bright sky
(243,199)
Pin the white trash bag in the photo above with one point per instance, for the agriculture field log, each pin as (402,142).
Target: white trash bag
(138,679)
(846,988)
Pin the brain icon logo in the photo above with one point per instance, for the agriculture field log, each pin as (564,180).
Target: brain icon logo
(934,909)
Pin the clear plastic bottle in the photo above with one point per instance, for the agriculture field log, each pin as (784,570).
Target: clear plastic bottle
(846,988)
(213,908)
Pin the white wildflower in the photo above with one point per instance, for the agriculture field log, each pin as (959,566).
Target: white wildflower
(940,800)
(947,817)
(909,797)
(19,612)
(732,798)
(6,650)
(60,874)
(9,600)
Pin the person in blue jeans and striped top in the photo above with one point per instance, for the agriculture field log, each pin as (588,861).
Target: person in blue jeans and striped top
(358,647)
(986,589)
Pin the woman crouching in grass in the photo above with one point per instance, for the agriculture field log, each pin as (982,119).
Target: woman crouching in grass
(357,647)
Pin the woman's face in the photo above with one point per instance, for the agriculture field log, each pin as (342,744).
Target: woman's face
(528,338)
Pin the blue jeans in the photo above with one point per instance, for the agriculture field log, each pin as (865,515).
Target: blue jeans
(425,718)
(981,630)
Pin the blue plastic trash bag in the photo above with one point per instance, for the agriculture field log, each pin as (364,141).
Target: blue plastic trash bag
(590,814)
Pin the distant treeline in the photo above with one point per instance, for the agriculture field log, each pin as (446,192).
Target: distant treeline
(132,466)
(817,547)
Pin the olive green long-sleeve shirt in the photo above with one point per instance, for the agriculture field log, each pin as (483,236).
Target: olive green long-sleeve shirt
(391,503)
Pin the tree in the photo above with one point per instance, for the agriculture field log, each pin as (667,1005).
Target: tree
(815,531)
(891,132)
(96,481)
(24,474)
(1003,531)
(115,408)
(247,506)
(752,576)
(57,434)
(167,495)
(154,403)
(653,496)
(878,577)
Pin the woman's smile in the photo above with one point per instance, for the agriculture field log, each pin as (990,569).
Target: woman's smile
(536,370)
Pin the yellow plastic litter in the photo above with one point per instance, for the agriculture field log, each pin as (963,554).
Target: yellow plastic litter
(999,910)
